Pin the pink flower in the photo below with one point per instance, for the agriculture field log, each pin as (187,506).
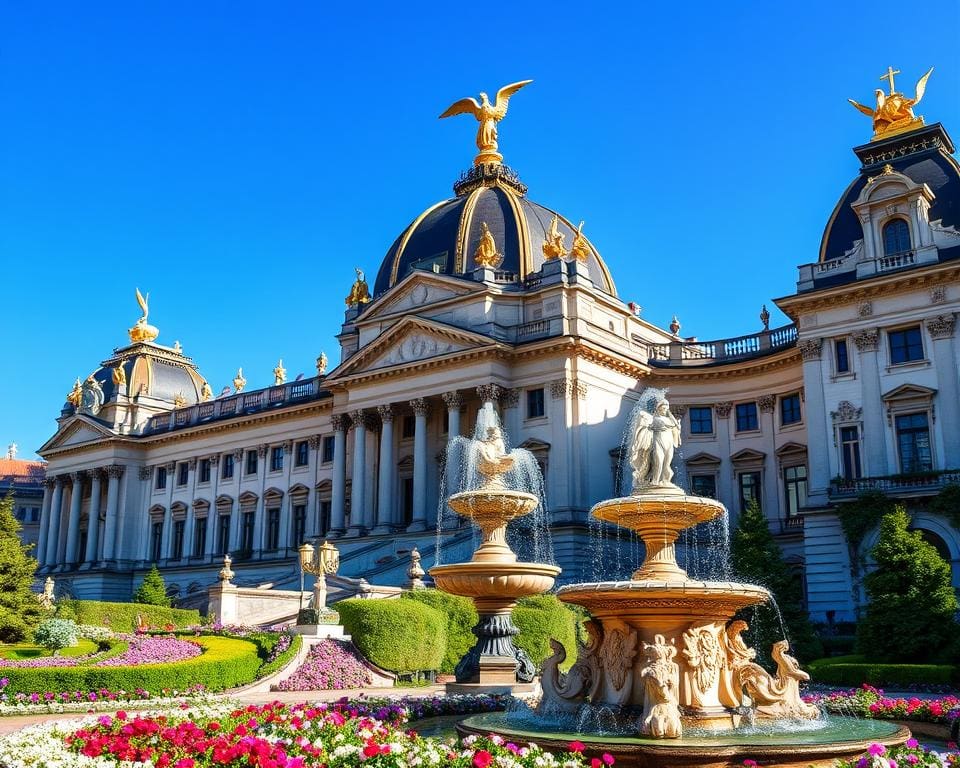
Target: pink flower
(577,746)
(482,759)
(876,749)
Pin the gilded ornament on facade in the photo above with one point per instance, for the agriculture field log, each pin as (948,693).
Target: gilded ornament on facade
(488,115)
(238,381)
(119,376)
(580,249)
(74,395)
(179,401)
(279,373)
(322,364)
(893,112)
(553,247)
(486,254)
(141,330)
(206,393)
(359,291)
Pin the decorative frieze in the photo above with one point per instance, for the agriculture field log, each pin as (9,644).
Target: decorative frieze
(810,349)
(938,294)
(867,340)
(722,409)
(568,388)
(420,406)
(766,403)
(846,411)
(942,326)
(865,309)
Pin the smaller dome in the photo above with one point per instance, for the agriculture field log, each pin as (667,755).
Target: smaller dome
(153,371)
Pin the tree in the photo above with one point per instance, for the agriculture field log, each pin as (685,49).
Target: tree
(19,608)
(756,558)
(56,634)
(911,606)
(153,590)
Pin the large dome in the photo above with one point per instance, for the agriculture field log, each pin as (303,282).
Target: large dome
(445,237)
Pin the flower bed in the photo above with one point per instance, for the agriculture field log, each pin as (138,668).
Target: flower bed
(330,665)
(909,755)
(149,649)
(274,735)
(867,701)
(92,701)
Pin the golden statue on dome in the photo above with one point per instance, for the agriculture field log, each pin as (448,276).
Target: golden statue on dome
(580,248)
(359,291)
(75,394)
(238,381)
(894,111)
(486,254)
(141,331)
(488,115)
(553,244)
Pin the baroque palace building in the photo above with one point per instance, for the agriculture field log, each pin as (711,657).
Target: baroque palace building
(490,297)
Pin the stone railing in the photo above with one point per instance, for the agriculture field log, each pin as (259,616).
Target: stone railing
(693,353)
(236,404)
(922,483)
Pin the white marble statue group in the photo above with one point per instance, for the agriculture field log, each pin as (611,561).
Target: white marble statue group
(656,435)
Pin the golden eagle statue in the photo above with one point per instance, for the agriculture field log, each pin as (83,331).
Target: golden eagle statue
(894,111)
(488,115)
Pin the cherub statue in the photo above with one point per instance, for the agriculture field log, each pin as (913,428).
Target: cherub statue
(119,376)
(656,437)
(206,392)
(359,291)
(494,459)
(75,394)
(91,396)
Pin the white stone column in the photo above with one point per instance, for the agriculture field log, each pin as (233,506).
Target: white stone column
(358,521)
(53,529)
(387,469)
(93,519)
(725,471)
(236,518)
(41,551)
(114,473)
(285,525)
(338,490)
(816,414)
(72,555)
(874,437)
(941,330)
(454,402)
(770,503)
(166,539)
(213,513)
(420,409)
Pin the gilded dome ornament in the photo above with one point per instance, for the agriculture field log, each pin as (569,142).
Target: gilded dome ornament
(322,364)
(580,248)
(279,373)
(488,115)
(893,113)
(553,244)
(141,330)
(75,394)
(359,291)
(119,376)
(179,401)
(238,381)
(206,393)
(486,254)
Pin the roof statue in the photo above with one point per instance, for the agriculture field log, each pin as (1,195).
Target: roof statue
(488,115)
(580,249)
(359,291)
(206,392)
(553,243)
(141,331)
(893,113)
(73,397)
(322,364)
(279,373)
(12,451)
(119,376)
(486,254)
(91,397)
(238,381)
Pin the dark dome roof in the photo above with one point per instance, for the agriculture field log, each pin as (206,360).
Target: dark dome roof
(152,370)
(923,155)
(444,237)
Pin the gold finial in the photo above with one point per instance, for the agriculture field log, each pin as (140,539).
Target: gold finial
(553,244)
(76,394)
(580,248)
(119,375)
(488,115)
(322,364)
(206,393)
(141,331)
(238,381)
(359,291)
(893,113)
(486,254)
(279,373)
(179,400)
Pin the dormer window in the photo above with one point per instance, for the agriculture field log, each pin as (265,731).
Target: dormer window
(896,237)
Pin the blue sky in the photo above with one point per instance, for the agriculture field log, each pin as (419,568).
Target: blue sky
(237,159)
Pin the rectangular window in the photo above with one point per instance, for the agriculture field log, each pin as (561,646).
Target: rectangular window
(535,404)
(178,526)
(156,539)
(246,532)
(183,473)
(841,357)
(406,500)
(704,485)
(329,444)
(273,528)
(906,345)
(35,515)
(161,478)
(204,470)
(749,484)
(227,471)
(303,454)
(850,452)
(913,443)
(747,417)
(790,410)
(276,458)
(21,513)
(701,420)
(299,524)
(795,489)
(408,426)
(325,507)
(199,536)
(223,534)
(251,462)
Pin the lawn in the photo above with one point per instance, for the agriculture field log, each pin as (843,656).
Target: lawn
(21,651)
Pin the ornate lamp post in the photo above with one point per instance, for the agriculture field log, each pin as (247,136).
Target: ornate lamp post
(319,562)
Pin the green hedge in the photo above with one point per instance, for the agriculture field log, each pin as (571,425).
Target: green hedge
(461,619)
(540,618)
(398,635)
(856,670)
(122,617)
(283,659)
(225,663)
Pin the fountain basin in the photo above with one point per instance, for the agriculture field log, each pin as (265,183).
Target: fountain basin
(486,581)
(657,511)
(493,507)
(808,744)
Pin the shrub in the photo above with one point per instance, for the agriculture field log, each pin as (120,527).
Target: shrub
(225,663)
(19,608)
(856,670)
(398,635)
(912,602)
(461,618)
(540,618)
(56,634)
(153,589)
(122,617)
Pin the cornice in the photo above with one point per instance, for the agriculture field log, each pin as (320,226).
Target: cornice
(735,369)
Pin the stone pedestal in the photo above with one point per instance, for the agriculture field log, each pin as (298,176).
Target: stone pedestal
(320,631)
(224,602)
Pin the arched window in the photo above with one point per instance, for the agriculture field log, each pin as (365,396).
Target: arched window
(896,237)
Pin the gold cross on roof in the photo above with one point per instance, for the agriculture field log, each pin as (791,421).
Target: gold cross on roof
(889,76)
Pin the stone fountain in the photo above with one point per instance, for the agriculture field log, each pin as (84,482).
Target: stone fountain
(666,677)
(494,578)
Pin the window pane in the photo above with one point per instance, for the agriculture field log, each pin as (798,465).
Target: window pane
(896,237)
(790,409)
(905,345)
(535,404)
(842,359)
(701,421)
(747,417)
(913,443)
(328,448)
(303,453)
(749,483)
(704,485)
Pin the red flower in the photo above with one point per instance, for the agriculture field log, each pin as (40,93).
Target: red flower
(371,750)
(748,763)
(482,759)
(608,759)
(577,746)
(595,762)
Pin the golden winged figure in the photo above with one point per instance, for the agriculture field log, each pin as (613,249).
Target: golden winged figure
(488,115)
(142,301)
(894,111)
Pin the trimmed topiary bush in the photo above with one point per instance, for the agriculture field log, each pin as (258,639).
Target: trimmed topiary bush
(55,634)
(122,617)
(461,618)
(855,670)
(540,618)
(153,589)
(398,635)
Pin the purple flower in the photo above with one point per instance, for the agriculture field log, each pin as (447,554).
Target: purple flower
(876,749)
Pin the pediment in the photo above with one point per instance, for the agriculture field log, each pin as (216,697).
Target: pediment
(790,449)
(78,431)
(703,459)
(534,445)
(748,456)
(418,290)
(909,392)
(412,340)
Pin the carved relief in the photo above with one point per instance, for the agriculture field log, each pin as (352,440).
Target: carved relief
(420,406)
(867,340)
(938,294)
(865,309)
(386,413)
(453,400)
(489,392)
(704,658)
(942,326)
(846,411)
(416,346)
(616,658)
(766,403)
(339,422)
(115,470)
(810,349)
(144,473)
(661,682)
